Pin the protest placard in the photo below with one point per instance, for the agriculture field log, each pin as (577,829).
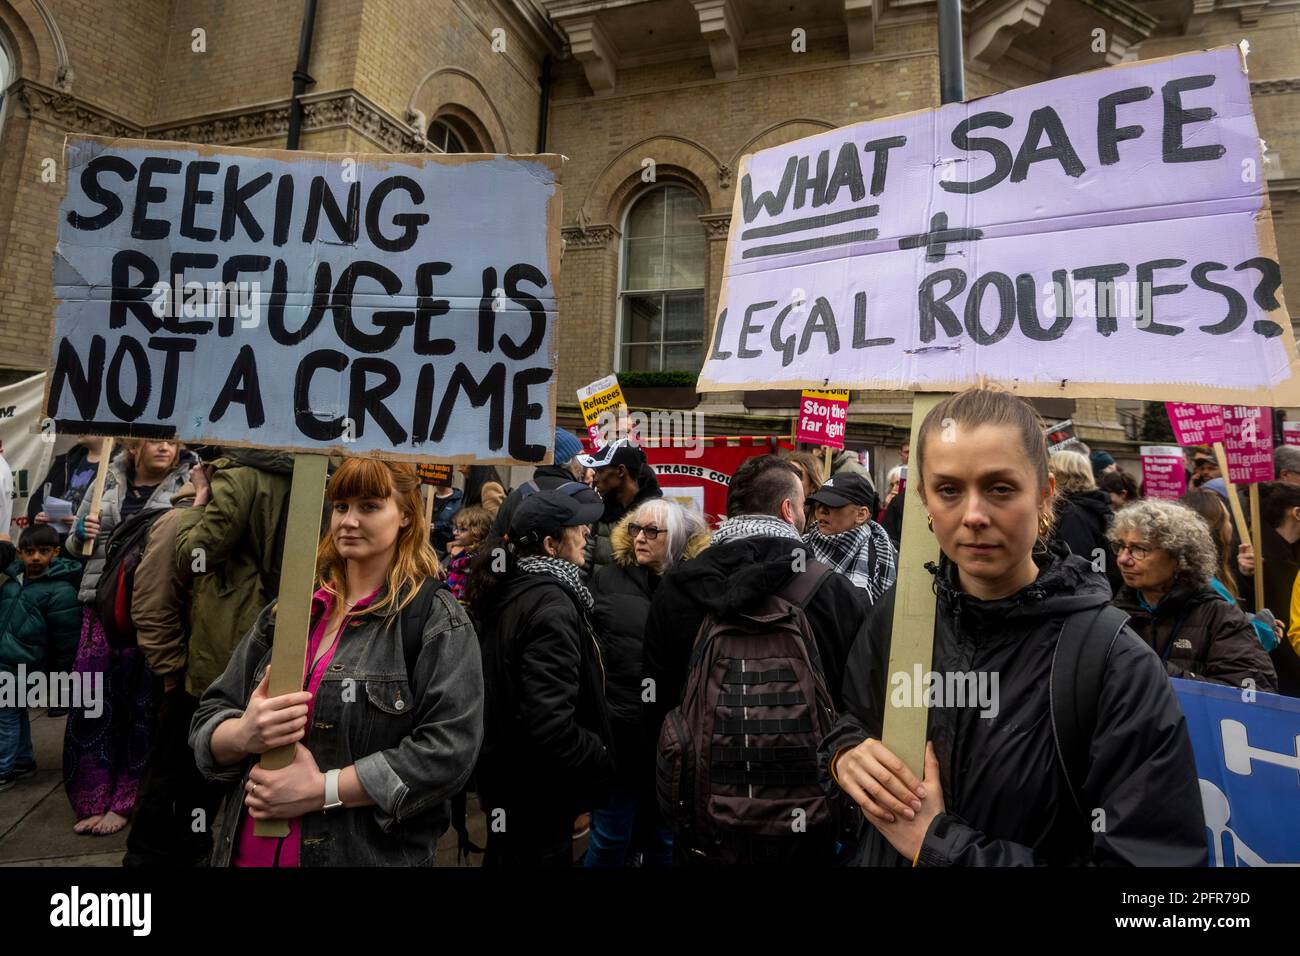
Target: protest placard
(823,416)
(1061,437)
(434,474)
(391,304)
(602,397)
(1052,239)
(1248,440)
(1164,471)
(1195,424)
(1291,433)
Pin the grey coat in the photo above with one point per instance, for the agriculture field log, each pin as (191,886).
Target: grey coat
(110,513)
(412,738)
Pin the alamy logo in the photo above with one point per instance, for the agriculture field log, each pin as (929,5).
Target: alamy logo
(55,689)
(949,689)
(77,909)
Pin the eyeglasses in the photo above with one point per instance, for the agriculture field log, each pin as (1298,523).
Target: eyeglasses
(1204,463)
(651,532)
(1138,552)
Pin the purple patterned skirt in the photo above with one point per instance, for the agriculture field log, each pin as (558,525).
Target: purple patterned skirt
(104,755)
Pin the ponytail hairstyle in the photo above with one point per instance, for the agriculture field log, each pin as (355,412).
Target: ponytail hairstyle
(983,405)
(496,560)
(413,556)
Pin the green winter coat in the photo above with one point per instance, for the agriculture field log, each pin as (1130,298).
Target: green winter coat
(40,620)
(228,550)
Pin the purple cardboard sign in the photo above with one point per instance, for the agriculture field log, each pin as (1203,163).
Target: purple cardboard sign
(1195,424)
(1088,236)
(1248,441)
(1164,471)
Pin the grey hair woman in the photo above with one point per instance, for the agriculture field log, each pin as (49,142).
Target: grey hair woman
(1168,559)
(657,535)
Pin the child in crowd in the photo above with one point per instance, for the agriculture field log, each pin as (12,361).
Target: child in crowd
(40,621)
(471,526)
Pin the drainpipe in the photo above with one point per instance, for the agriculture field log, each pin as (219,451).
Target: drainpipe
(301,78)
(544,110)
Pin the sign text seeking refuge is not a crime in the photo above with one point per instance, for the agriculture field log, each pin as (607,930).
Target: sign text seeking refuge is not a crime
(307,301)
(1109,229)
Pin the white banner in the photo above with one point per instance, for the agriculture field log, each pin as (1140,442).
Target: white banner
(28,455)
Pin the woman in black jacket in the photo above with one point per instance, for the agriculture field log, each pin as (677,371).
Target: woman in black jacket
(996,792)
(1168,560)
(1083,514)
(650,540)
(547,745)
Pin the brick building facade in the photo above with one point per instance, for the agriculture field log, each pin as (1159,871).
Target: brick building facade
(654,102)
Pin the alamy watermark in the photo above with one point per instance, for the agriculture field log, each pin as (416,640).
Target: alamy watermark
(947,689)
(74,691)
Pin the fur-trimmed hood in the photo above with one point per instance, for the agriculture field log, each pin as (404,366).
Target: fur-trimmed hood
(625,556)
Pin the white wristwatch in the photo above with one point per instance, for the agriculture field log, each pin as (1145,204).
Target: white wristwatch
(332,801)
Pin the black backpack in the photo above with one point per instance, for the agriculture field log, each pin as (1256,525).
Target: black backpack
(737,758)
(1078,665)
(116,585)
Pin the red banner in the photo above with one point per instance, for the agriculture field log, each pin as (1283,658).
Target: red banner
(698,475)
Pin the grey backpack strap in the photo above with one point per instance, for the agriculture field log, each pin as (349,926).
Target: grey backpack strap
(1078,669)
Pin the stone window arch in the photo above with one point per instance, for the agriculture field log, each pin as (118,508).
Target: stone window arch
(662,281)
(455,129)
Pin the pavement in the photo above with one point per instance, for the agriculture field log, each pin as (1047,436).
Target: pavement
(36,819)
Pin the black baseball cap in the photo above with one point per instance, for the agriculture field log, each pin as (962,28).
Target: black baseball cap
(621,452)
(547,513)
(845,489)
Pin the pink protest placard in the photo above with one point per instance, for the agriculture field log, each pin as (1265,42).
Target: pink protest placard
(1164,473)
(1195,424)
(822,417)
(1291,433)
(1248,441)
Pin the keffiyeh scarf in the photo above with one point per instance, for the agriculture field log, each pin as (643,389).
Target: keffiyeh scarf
(863,554)
(563,571)
(753,526)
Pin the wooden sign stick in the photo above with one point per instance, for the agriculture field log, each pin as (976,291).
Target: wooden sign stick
(1255,543)
(293,612)
(826,460)
(428,503)
(97,492)
(912,644)
(1234,500)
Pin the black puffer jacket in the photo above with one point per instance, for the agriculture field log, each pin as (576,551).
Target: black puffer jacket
(1082,520)
(731,576)
(547,740)
(1200,636)
(623,591)
(1006,798)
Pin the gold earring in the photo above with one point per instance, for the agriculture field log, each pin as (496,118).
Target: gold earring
(1044,525)
(929,521)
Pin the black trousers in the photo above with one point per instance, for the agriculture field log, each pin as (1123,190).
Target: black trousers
(176,808)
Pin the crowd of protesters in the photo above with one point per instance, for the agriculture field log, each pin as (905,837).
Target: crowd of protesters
(587,655)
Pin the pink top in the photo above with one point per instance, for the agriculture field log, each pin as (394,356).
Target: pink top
(253,850)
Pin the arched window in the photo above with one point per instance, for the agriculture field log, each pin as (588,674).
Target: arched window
(661,290)
(445,139)
(6,77)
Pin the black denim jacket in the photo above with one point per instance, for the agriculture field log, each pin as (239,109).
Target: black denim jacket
(413,741)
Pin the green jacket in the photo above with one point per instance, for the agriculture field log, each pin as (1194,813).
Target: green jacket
(40,620)
(228,550)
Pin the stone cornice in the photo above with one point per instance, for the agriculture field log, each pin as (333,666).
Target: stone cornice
(245,124)
(592,237)
(1263,87)
(65,111)
(716,224)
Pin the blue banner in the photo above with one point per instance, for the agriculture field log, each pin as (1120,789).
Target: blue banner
(1248,761)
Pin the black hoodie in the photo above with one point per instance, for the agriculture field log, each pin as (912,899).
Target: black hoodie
(1006,799)
(1082,520)
(730,576)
